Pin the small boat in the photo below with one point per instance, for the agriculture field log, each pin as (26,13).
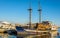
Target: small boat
(20,30)
(12,32)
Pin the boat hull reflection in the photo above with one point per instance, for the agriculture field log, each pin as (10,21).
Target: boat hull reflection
(52,35)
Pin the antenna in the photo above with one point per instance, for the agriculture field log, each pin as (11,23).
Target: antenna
(30,11)
(39,10)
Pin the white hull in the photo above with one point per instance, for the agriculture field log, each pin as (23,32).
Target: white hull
(35,31)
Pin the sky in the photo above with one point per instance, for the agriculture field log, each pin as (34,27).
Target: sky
(16,11)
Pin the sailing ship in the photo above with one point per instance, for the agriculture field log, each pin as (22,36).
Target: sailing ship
(41,27)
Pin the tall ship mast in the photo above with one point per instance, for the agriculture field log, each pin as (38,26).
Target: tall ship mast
(30,12)
(39,10)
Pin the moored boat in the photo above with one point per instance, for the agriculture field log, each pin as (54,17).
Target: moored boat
(20,30)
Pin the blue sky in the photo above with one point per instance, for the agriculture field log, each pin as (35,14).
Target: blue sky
(16,11)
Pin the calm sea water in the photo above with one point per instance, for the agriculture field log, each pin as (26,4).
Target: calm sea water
(31,36)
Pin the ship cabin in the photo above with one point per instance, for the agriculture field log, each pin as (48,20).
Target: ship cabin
(45,25)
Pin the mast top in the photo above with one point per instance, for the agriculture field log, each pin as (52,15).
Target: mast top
(39,10)
(39,7)
(30,8)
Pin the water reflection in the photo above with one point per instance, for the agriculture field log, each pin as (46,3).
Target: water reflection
(38,36)
(6,36)
(18,36)
(53,35)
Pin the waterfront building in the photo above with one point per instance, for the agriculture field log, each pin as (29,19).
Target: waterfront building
(6,25)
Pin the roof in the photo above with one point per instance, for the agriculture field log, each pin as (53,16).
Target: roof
(6,22)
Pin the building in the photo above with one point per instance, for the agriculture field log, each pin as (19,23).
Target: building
(6,25)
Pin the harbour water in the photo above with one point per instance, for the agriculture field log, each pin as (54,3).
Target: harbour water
(53,35)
